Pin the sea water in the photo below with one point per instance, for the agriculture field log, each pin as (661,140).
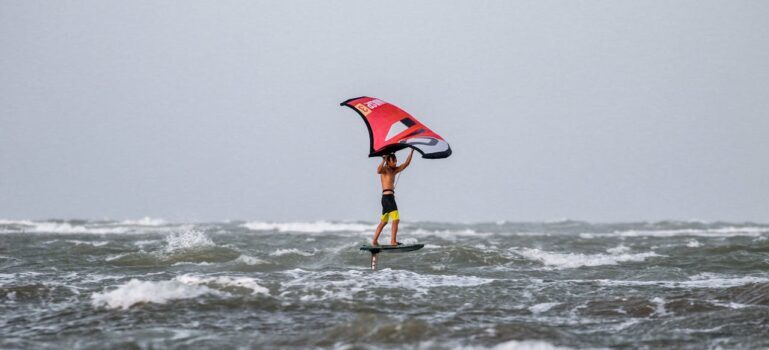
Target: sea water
(295,285)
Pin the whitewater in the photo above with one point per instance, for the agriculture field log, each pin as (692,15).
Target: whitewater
(152,283)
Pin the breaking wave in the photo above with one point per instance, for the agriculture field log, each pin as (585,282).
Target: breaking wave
(58,227)
(574,260)
(281,252)
(308,227)
(187,240)
(705,280)
(145,221)
(145,225)
(136,292)
(690,232)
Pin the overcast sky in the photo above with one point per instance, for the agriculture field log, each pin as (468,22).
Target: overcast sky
(212,110)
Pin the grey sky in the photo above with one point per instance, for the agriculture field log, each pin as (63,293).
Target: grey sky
(603,111)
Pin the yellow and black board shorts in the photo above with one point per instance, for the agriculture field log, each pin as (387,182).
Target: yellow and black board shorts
(389,208)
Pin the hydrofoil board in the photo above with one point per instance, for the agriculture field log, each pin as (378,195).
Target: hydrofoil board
(401,248)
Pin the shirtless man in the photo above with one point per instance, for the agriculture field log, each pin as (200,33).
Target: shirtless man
(387,170)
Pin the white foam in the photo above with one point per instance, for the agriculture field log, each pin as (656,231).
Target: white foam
(659,308)
(574,260)
(362,284)
(703,330)
(186,240)
(540,308)
(449,233)
(693,243)
(731,304)
(527,345)
(127,227)
(281,252)
(182,263)
(438,267)
(625,324)
(13,277)
(512,345)
(16,222)
(66,228)
(135,291)
(182,287)
(142,243)
(308,227)
(706,283)
(250,260)
(91,243)
(145,221)
(618,249)
(92,278)
(226,281)
(713,232)
(115,257)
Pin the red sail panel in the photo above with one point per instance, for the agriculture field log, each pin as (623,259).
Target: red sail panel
(391,129)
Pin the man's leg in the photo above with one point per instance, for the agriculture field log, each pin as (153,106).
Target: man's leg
(379,231)
(393,240)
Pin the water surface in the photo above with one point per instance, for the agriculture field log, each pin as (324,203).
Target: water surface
(569,284)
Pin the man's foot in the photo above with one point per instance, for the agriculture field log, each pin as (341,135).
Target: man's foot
(374,243)
(396,243)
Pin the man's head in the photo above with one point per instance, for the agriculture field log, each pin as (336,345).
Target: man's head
(391,160)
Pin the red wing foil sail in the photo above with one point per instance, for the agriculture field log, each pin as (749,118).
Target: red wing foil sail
(391,129)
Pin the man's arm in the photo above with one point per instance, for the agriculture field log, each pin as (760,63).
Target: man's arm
(381,165)
(406,163)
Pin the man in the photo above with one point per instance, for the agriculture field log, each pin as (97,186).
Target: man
(387,171)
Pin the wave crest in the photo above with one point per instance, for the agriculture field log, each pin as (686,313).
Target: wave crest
(574,260)
(136,292)
(308,227)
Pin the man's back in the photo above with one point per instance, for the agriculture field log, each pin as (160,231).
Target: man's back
(388,179)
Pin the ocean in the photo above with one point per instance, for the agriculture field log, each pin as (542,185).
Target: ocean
(152,284)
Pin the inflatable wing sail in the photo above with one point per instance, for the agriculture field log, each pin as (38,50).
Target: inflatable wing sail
(391,129)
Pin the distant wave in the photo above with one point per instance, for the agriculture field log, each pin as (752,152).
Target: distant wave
(574,260)
(145,221)
(466,232)
(308,227)
(749,231)
(281,252)
(144,225)
(57,227)
(704,280)
(414,229)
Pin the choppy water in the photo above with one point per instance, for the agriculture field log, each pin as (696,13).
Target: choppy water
(151,284)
